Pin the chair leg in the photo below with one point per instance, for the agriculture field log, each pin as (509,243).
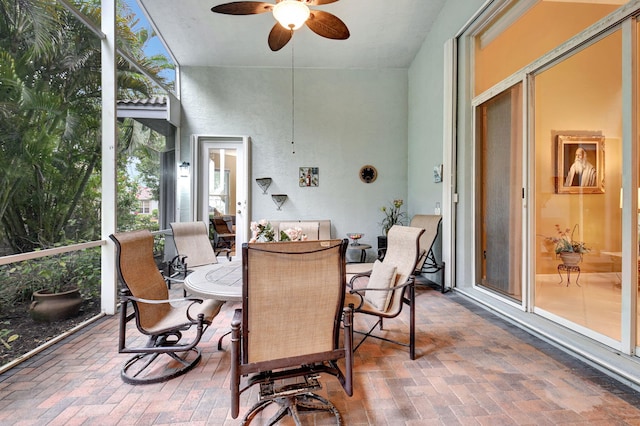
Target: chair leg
(143,370)
(292,405)
(412,321)
(410,300)
(370,334)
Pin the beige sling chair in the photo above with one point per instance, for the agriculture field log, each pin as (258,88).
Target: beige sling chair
(194,250)
(164,321)
(288,330)
(389,286)
(427,263)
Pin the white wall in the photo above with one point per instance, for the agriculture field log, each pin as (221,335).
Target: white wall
(344,120)
(425,129)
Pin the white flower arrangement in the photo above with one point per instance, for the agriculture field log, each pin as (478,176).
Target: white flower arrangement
(263,232)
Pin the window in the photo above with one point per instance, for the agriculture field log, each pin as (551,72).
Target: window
(539,25)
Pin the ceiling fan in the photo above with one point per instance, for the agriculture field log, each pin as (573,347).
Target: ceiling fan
(291,15)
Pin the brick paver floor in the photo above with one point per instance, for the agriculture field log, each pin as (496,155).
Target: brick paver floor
(472,368)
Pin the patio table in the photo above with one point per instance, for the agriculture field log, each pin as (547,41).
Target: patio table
(220,281)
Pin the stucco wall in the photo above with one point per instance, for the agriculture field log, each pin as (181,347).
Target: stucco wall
(391,119)
(344,120)
(426,100)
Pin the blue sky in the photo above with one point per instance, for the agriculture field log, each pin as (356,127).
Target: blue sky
(154,46)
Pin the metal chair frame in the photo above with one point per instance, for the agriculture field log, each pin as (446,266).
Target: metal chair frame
(156,316)
(404,251)
(304,367)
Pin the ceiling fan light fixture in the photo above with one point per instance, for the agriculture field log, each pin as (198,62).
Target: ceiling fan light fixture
(291,14)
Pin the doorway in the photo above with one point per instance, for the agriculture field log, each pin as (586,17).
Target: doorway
(221,184)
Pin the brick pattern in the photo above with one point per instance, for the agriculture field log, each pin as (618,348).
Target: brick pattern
(471,369)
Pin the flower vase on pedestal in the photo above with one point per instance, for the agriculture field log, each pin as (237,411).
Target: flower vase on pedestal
(570,258)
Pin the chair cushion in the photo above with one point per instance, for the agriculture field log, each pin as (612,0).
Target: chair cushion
(382,276)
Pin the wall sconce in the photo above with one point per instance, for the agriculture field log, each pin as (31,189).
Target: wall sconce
(264,183)
(184,169)
(279,199)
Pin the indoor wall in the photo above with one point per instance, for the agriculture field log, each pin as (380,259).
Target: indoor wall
(542,28)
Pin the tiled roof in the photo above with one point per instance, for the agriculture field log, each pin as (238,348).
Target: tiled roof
(154,101)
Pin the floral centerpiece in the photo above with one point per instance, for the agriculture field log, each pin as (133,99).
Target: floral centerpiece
(263,232)
(392,215)
(569,250)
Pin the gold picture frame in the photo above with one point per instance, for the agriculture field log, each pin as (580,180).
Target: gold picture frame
(580,164)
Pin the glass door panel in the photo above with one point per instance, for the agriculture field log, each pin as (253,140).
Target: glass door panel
(637,141)
(578,175)
(540,26)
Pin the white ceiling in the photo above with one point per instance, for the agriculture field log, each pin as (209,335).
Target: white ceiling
(384,34)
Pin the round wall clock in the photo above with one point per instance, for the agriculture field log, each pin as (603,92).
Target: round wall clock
(368,174)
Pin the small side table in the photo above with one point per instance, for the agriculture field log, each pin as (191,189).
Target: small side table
(569,269)
(362,247)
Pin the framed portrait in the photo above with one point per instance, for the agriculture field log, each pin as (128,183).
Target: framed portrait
(580,164)
(309,176)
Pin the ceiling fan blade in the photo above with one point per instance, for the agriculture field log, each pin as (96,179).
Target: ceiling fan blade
(243,8)
(279,37)
(327,25)
(319,2)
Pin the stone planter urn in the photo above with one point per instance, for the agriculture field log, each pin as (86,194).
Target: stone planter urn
(48,307)
(570,258)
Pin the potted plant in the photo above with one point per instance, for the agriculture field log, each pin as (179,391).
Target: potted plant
(56,285)
(568,249)
(392,216)
(55,296)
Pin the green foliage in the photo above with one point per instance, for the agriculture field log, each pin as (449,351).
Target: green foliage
(6,337)
(50,117)
(54,273)
(392,215)
(564,242)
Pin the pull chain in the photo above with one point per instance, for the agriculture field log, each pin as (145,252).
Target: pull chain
(293,100)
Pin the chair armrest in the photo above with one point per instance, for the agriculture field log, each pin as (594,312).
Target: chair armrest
(173,278)
(158,302)
(355,277)
(408,282)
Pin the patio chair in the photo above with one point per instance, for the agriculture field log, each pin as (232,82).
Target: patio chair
(224,237)
(427,262)
(389,286)
(194,250)
(155,315)
(288,330)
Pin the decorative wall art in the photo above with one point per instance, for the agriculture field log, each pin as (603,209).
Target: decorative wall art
(437,173)
(580,164)
(309,176)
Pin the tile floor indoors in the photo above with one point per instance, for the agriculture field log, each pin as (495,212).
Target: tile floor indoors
(472,368)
